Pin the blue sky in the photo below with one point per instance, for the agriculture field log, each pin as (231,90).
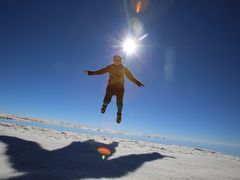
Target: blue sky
(189,63)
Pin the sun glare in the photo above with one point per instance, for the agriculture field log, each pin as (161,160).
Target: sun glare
(129,46)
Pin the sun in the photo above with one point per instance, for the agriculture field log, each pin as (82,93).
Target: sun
(129,46)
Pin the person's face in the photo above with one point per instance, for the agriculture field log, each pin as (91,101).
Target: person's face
(117,61)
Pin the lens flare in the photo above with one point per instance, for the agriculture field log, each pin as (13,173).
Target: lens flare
(136,26)
(138,6)
(103,157)
(144,36)
(104,152)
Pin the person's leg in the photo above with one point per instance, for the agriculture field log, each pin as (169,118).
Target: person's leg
(107,98)
(119,95)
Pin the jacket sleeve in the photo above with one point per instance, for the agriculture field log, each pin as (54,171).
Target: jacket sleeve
(131,77)
(99,72)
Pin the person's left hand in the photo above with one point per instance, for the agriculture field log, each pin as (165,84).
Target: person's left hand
(140,84)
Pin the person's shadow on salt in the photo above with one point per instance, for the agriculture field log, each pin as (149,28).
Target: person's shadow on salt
(75,161)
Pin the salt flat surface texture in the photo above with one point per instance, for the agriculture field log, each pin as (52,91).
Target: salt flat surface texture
(36,153)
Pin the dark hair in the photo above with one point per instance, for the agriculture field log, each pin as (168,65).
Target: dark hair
(117,56)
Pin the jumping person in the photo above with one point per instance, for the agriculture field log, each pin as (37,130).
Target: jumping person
(115,83)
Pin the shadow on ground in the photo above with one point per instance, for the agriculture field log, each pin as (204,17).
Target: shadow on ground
(75,161)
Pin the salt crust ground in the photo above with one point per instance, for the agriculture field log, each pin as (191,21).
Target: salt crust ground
(23,148)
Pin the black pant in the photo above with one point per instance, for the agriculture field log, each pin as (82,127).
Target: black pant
(118,91)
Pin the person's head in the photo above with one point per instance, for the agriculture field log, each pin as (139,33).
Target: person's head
(117,60)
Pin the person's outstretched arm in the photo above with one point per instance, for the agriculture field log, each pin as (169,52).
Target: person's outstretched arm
(98,72)
(132,78)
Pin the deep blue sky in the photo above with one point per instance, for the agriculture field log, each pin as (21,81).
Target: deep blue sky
(189,63)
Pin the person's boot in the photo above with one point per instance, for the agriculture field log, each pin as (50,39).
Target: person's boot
(119,118)
(104,106)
